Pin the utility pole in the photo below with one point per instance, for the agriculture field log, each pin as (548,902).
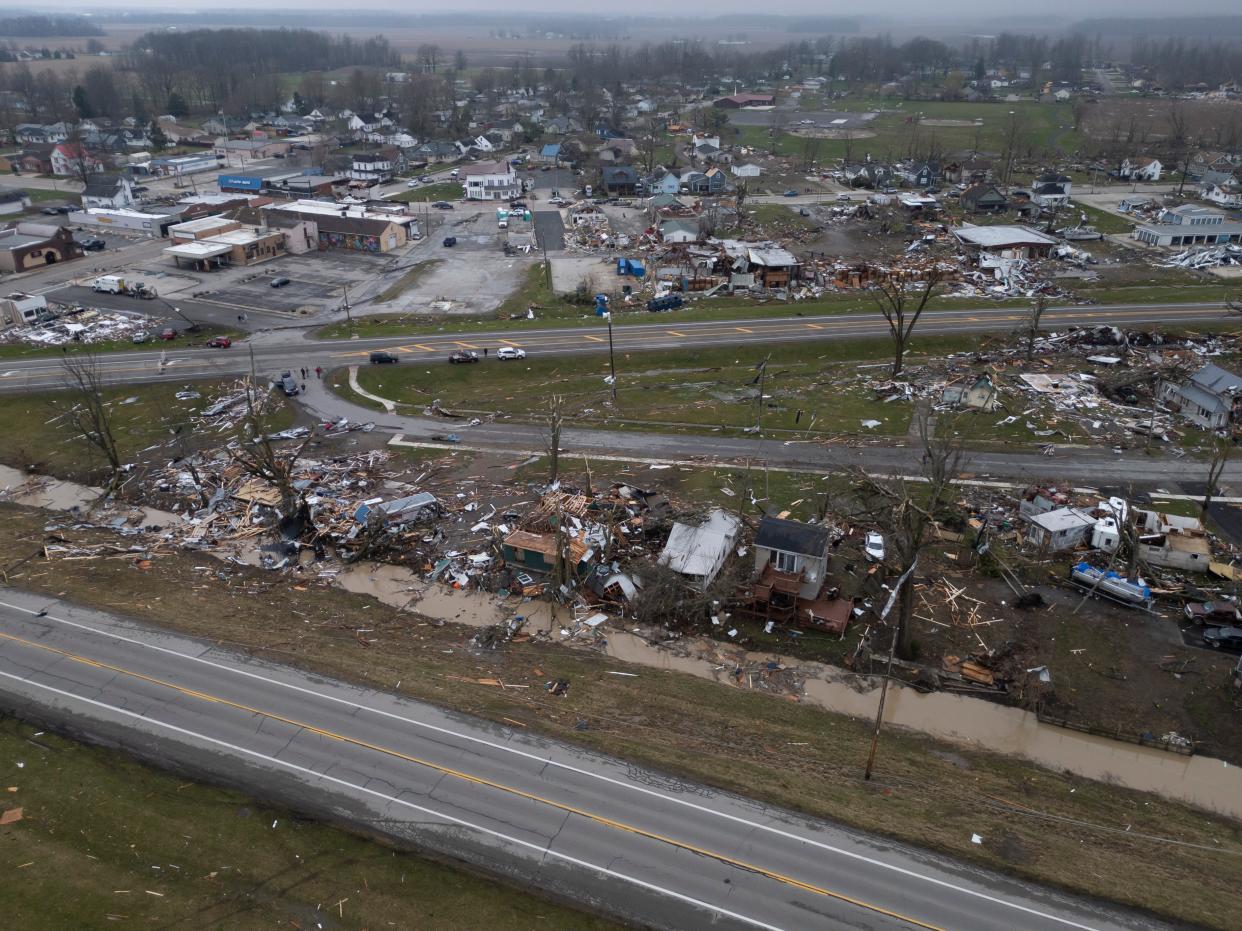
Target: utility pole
(612,363)
(763,370)
(888,670)
(348,315)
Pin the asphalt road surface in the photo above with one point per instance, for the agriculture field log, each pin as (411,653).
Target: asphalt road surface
(650,848)
(1090,466)
(171,364)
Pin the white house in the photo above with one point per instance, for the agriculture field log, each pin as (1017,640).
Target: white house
(72,158)
(1228,194)
(109,191)
(696,140)
(1141,168)
(491,181)
(746,171)
(370,168)
(483,144)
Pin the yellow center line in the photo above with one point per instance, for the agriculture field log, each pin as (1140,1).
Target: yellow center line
(464,345)
(425,348)
(742,329)
(594,339)
(479,781)
(814,326)
(509,342)
(674,333)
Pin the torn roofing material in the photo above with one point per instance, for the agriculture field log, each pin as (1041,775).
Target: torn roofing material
(700,551)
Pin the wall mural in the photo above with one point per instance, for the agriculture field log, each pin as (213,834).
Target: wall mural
(355,241)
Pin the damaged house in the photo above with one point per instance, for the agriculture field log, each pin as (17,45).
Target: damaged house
(1060,529)
(791,566)
(1209,399)
(699,553)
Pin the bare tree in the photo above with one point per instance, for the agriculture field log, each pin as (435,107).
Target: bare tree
(1037,311)
(556,419)
(257,454)
(1222,449)
(86,413)
(906,511)
(902,309)
(1179,139)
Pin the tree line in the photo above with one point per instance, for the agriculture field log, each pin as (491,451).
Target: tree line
(29,26)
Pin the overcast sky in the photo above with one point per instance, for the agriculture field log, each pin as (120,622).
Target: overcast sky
(898,10)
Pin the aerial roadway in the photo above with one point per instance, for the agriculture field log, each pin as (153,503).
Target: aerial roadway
(650,848)
(280,350)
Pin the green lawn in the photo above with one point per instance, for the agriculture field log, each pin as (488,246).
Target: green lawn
(406,281)
(36,432)
(442,190)
(105,841)
(1102,220)
(693,390)
(899,131)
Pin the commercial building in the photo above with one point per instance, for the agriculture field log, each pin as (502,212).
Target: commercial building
(1189,225)
(216,241)
(352,227)
(28,246)
(1007,242)
(239,151)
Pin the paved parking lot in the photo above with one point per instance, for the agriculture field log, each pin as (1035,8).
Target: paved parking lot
(316,281)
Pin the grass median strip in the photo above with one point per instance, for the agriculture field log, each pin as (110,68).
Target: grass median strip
(108,839)
(1036,823)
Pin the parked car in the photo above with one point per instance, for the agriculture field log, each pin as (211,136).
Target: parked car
(873,546)
(507,353)
(517,205)
(384,358)
(843,198)
(279,282)
(463,357)
(791,193)
(1214,613)
(50,211)
(425,178)
(93,245)
(1223,638)
(413,182)
(168,333)
(219,342)
(442,205)
(450,241)
(288,384)
(140,337)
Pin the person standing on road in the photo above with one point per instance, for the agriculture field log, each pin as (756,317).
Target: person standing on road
(485,352)
(318,372)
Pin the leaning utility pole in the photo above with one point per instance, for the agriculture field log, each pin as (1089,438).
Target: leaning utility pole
(888,669)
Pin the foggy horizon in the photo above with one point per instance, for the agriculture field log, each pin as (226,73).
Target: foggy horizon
(902,14)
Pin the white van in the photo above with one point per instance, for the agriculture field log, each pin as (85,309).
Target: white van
(454,173)
(502,224)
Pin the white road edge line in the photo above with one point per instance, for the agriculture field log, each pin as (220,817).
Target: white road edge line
(548,761)
(392,799)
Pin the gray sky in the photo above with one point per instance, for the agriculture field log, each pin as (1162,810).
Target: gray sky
(901,12)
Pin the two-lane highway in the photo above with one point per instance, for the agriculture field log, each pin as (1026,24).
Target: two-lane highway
(172,364)
(647,847)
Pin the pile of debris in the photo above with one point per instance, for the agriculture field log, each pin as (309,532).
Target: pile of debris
(78,325)
(1213,257)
